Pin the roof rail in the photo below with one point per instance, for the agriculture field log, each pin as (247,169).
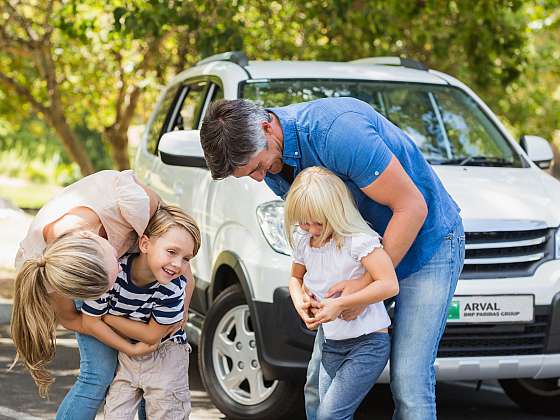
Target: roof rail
(392,61)
(237,57)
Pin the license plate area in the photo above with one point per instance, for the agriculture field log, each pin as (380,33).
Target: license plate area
(495,309)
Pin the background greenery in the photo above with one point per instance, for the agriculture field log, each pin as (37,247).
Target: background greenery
(75,75)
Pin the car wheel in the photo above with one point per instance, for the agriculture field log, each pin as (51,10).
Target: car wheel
(230,367)
(539,396)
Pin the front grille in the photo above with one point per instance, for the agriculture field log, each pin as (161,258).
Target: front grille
(475,340)
(506,254)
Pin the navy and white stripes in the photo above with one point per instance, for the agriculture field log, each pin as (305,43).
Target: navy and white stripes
(165,303)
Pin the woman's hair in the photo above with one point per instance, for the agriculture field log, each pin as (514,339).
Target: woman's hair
(318,195)
(73,266)
(168,216)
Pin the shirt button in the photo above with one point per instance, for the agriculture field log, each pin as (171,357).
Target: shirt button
(296,153)
(376,173)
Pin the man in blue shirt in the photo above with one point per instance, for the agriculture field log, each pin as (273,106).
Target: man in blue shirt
(395,190)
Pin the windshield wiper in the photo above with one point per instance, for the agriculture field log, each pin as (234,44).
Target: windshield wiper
(474,161)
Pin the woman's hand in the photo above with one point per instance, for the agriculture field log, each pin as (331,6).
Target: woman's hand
(140,349)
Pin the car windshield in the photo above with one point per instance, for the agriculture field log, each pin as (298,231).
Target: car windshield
(448,126)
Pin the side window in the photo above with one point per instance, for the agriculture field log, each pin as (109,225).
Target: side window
(160,119)
(191,105)
(214,93)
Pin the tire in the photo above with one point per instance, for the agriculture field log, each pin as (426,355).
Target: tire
(230,368)
(538,396)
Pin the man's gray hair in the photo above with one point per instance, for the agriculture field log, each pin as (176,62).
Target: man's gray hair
(231,134)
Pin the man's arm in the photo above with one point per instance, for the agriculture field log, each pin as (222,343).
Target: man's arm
(395,189)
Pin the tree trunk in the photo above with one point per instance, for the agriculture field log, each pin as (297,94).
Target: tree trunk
(119,148)
(71,144)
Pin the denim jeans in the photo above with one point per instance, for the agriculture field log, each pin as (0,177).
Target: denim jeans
(419,320)
(349,369)
(98,363)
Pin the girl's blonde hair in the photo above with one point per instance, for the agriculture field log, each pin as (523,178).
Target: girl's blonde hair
(168,216)
(73,266)
(318,195)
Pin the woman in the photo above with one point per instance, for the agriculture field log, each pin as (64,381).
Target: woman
(70,252)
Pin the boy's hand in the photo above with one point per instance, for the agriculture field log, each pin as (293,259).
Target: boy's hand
(140,349)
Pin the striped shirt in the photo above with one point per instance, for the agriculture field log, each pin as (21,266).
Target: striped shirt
(163,302)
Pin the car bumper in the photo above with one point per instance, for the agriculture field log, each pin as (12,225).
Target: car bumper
(286,344)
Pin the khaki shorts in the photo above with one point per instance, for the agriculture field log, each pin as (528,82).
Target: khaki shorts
(161,377)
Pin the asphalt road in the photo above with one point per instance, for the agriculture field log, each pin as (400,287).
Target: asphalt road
(19,400)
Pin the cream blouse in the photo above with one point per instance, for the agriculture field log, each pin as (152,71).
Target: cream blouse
(120,203)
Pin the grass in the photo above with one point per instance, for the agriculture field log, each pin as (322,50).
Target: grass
(26,194)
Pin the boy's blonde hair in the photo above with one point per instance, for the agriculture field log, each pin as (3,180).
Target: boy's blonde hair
(73,266)
(318,195)
(168,216)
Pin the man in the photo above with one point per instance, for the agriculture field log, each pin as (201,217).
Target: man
(395,190)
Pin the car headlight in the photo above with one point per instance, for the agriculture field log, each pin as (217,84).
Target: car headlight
(271,220)
(557,243)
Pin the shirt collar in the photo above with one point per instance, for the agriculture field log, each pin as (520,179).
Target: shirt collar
(289,132)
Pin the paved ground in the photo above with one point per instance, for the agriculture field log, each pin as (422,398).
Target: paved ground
(19,400)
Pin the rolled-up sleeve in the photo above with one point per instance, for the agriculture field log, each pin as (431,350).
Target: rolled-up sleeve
(353,148)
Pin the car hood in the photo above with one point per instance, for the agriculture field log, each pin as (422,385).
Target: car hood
(503,198)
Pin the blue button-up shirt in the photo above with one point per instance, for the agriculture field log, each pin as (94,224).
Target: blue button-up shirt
(357,143)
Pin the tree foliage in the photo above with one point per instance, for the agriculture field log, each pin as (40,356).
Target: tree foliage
(89,63)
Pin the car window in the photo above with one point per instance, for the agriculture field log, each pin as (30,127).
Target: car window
(190,105)
(160,119)
(447,124)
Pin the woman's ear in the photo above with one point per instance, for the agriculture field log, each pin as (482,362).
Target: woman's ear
(143,244)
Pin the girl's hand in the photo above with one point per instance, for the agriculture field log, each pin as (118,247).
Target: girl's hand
(140,349)
(305,310)
(347,287)
(330,310)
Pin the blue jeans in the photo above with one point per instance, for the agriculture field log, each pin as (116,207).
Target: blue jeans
(419,320)
(98,363)
(349,369)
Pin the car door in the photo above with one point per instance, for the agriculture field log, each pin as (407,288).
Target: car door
(187,186)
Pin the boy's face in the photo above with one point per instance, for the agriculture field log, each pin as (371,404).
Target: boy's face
(168,255)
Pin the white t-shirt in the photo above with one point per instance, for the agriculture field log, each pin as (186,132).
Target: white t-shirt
(328,265)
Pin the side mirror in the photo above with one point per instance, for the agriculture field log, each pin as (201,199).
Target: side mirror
(182,148)
(538,150)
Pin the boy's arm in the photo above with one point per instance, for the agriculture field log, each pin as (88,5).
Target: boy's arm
(150,333)
(94,326)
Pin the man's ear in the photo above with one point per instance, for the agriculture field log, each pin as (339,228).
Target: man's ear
(267,127)
(143,244)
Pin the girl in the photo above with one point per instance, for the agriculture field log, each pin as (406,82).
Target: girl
(332,243)
(70,252)
(147,299)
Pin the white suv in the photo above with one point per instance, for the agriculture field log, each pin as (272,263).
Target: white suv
(504,322)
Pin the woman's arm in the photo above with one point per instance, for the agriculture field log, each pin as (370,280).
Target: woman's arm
(384,285)
(150,333)
(66,313)
(95,327)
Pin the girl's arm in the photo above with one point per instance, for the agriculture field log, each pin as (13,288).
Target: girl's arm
(95,327)
(384,285)
(301,300)
(150,333)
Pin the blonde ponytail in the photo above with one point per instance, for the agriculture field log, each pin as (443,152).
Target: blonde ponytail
(71,266)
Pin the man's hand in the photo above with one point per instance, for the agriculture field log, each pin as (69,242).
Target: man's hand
(347,287)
